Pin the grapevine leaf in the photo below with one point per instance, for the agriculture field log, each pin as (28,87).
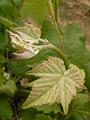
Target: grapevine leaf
(80,102)
(18,67)
(2,79)
(6,7)
(27,41)
(3,59)
(3,40)
(43,117)
(8,23)
(76,116)
(56,84)
(29,114)
(5,109)
(49,108)
(48,32)
(81,105)
(34,9)
(8,88)
(18,3)
(74,38)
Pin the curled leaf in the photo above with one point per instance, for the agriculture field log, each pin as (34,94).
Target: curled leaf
(26,40)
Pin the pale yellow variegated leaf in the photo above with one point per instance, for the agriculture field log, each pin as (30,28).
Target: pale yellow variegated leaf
(26,40)
(56,84)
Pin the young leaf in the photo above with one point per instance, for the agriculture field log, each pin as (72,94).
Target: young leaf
(27,41)
(56,84)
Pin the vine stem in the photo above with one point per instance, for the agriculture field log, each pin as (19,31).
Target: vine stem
(52,13)
(60,50)
(56,10)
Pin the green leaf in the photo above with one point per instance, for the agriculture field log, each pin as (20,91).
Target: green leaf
(80,101)
(87,71)
(3,59)
(80,107)
(17,67)
(55,85)
(29,114)
(8,88)
(76,51)
(18,3)
(49,108)
(43,117)
(6,7)
(5,109)
(74,44)
(48,32)
(76,116)
(2,79)
(36,9)
(6,22)
(3,39)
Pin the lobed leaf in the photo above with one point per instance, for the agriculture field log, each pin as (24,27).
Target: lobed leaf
(55,85)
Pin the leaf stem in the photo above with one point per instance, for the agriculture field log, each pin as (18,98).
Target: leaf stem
(53,48)
(60,50)
(52,13)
